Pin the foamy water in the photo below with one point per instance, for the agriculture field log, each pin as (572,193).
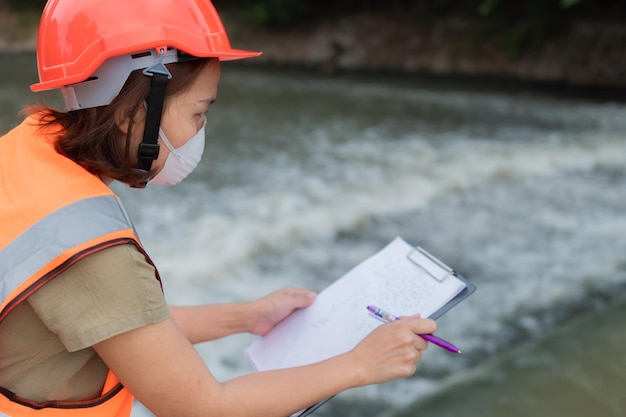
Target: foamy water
(522,194)
(305,176)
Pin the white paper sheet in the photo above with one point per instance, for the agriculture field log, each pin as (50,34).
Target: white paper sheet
(338,319)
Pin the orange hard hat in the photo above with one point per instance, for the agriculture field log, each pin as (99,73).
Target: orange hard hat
(76,37)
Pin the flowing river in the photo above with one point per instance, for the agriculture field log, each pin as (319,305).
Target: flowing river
(306,175)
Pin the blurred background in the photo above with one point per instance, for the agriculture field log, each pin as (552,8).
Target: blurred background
(577,42)
(492,133)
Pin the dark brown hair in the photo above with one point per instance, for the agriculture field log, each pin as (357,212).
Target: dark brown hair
(89,137)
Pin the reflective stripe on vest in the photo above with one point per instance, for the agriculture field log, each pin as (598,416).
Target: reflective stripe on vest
(57,233)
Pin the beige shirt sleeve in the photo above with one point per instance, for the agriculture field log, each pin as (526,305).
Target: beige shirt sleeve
(105,294)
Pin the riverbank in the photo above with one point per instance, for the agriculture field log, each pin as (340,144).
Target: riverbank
(587,55)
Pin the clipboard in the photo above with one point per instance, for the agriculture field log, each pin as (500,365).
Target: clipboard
(439,271)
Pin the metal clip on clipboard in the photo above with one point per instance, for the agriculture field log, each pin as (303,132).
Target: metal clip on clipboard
(430,264)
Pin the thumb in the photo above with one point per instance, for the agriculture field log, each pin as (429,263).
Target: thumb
(302,298)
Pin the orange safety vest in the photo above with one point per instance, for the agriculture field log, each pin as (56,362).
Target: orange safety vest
(52,214)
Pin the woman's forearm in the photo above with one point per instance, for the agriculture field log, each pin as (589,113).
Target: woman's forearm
(284,392)
(213,321)
(164,372)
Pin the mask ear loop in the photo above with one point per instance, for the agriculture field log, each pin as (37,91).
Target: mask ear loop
(149,148)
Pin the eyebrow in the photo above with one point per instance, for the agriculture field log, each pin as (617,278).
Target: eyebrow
(207,100)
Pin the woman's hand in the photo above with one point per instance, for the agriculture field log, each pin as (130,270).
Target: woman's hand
(392,350)
(275,307)
(213,321)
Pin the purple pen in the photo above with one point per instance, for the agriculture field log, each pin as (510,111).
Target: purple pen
(387,317)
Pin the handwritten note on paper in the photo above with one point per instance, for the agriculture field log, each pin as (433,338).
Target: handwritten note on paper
(338,320)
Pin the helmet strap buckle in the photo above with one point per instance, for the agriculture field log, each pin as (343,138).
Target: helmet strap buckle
(159,67)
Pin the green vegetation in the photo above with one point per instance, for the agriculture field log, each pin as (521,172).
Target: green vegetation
(272,12)
(284,13)
(513,25)
(21,5)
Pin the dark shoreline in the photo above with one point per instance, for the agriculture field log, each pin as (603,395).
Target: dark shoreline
(500,82)
(497,83)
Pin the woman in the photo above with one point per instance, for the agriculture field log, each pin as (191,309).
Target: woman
(84,327)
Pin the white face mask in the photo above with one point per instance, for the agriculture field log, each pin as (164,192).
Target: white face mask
(180,162)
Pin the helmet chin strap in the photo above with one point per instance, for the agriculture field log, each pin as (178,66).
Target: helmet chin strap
(149,147)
